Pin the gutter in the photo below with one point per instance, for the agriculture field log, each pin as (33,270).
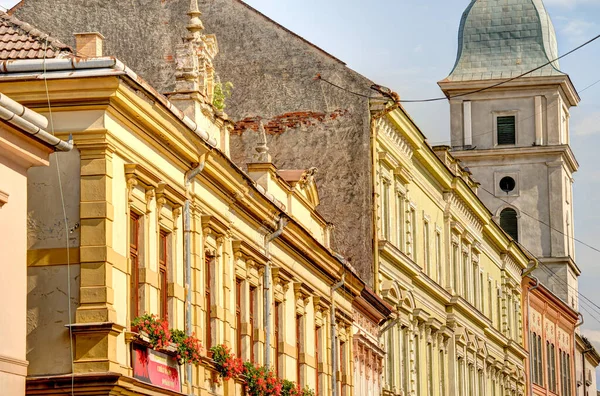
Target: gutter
(30,122)
(91,67)
(187,256)
(267,287)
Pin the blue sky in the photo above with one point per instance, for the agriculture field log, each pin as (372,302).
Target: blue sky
(409,45)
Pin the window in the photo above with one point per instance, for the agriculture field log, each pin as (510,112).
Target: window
(551,363)
(134,255)
(438,257)
(417,364)
(342,365)
(162,273)
(442,372)
(466,282)
(491,300)
(385,209)
(413,221)
(317,350)
(429,359)
(405,350)
(277,335)
(456,269)
(252,320)
(508,222)
(506,129)
(298,346)
(400,221)
(568,388)
(540,363)
(481,304)
(461,377)
(475,283)
(238,317)
(499,307)
(207,300)
(426,248)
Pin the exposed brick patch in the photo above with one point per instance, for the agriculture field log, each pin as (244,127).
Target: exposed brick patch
(279,124)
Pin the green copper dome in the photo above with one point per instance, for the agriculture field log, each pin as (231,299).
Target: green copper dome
(503,39)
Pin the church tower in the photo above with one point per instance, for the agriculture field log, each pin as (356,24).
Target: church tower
(514,137)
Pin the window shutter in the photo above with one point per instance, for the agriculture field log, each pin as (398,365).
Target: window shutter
(508,222)
(506,129)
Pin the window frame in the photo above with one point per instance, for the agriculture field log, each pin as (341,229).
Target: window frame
(506,113)
(134,258)
(208,259)
(163,282)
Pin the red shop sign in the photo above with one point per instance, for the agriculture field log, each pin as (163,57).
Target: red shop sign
(156,368)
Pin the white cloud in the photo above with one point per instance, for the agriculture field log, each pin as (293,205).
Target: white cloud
(418,48)
(577,30)
(588,125)
(570,3)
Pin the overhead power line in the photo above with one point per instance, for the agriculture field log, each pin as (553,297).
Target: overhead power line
(542,221)
(436,99)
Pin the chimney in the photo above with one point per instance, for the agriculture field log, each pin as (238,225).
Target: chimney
(89,44)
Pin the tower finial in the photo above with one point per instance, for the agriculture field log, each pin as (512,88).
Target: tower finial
(195,26)
(262,151)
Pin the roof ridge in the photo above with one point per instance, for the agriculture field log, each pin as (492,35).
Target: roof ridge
(35,33)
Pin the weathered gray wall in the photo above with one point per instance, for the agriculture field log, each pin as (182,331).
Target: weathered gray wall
(272,70)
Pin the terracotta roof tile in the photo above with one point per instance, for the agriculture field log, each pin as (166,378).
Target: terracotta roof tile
(20,40)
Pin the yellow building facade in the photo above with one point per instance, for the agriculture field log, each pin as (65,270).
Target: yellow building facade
(452,273)
(161,221)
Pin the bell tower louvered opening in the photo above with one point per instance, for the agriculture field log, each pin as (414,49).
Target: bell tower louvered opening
(508,222)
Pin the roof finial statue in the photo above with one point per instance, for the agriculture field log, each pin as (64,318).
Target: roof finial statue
(262,151)
(195,27)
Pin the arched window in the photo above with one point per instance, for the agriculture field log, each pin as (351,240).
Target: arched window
(508,222)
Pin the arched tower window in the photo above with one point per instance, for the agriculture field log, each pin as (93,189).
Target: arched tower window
(508,222)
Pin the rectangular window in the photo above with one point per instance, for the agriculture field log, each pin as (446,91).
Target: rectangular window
(456,268)
(277,335)
(317,350)
(491,300)
(385,207)
(461,377)
(252,320)
(551,367)
(466,282)
(298,346)
(506,129)
(540,360)
(162,273)
(207,300)
(481,292)
(426,248)
(569,386)
(438,257)
(417,364)
(405,361)
(475,287)
(499,308)
(400,221)
(238,317)
(442,372)
(413,221)
(429,359)
(342,365)
(134,255)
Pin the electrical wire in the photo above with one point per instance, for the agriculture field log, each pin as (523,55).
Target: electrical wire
(521,120)
(65,219)
(542,222)
(436,99)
